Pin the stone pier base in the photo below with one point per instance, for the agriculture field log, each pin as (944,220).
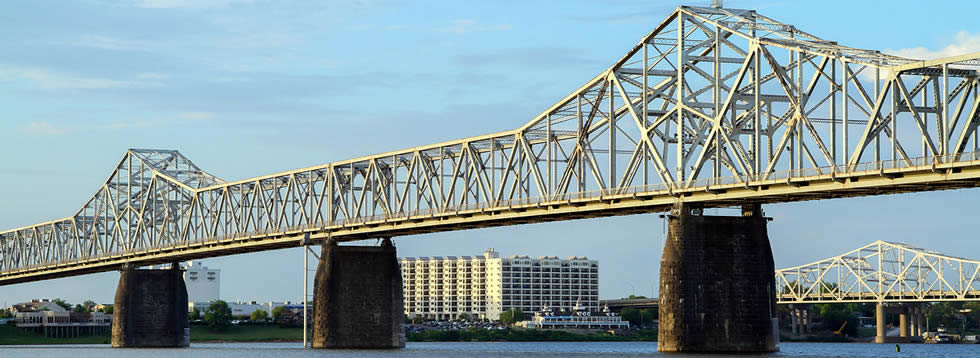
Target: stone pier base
(358,298)
(150,309)
(717,286)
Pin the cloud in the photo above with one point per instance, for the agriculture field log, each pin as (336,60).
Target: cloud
(43,129)
(131,124)
(188,4)
(153,76)
(109,43)
(52,80)
(963,43)
(197,116)
(543,57)
(460,27)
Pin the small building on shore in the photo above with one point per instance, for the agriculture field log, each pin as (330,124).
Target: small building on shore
(36,305)
(47,317)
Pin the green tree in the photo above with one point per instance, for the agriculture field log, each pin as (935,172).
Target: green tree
(195,314)
(80,309)
(259,315)
(647,316)
(511,316)
(218,316)
(464,317)
(107,309)
(633,315)
(5,313)
(63,304)
(633,297)
(277,312)
(89,304)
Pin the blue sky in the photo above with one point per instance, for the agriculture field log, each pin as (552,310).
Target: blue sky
(246,88)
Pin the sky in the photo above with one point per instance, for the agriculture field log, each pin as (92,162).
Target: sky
(247,88)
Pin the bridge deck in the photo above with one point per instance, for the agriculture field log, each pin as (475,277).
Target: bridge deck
(633,200)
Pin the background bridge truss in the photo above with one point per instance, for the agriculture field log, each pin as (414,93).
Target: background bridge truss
(717,106)
(881,272)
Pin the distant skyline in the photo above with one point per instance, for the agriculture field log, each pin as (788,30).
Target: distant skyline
(248,88)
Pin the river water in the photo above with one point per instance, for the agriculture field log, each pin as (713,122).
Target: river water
(482,349)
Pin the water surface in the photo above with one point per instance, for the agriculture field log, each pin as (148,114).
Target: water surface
(483,349)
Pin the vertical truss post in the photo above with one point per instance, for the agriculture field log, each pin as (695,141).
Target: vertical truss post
(550,189)
(874,116)
(833,114)
(894,102)
(941,100)
(646,121)
(612,133)
(756,136)
(719,115)
(846,102)
(580,160)
(681,63)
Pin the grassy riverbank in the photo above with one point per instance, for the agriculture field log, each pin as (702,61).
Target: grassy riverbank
(247,334)
(524,335)
(10,335)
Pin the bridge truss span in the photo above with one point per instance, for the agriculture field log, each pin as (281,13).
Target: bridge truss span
(881,272)
(714,106)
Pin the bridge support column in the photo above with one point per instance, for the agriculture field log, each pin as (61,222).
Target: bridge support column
(918,321)
(794,317)
(879,323)
(913,318)
(357,298)
(807,320)
(150,309)
(903,322)
(717,286)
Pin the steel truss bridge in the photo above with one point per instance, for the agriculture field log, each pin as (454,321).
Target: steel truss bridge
(715,106)
(881,272)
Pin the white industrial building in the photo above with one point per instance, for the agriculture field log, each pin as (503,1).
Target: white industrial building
(243,308)
(485,286)
(203,284)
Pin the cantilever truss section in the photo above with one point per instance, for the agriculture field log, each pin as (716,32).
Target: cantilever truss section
(718,106)
(881,272)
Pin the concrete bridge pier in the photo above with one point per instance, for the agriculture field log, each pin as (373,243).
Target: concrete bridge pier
(150,309)
(357,298)
(717,285)
(903,322)
(793,317)
(917,322)
(880,323)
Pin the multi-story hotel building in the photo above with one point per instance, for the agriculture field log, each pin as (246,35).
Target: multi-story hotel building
(485,286)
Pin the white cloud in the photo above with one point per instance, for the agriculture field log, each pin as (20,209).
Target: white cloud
(53,80)
(963,43)
(198,116)
(153,76)
(463,26)
(50,80)
(108,43)
(43,129)
(131,124)
(191,4)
